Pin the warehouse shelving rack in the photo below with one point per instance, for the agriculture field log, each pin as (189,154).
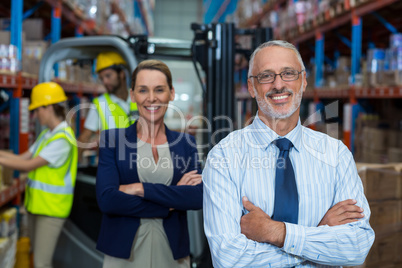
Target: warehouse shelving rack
(346,12)
(12,192)
(20,82)
(62,20)
(355,93)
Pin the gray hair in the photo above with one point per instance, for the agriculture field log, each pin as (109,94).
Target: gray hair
(274,43)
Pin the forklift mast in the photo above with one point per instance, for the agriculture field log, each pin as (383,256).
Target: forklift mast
(214,47)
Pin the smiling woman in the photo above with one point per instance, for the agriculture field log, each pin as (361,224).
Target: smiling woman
(143,189)
(152,94)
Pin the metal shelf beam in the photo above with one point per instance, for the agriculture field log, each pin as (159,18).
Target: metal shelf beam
(70,15)
(356,46)
(343,19)
(11,81)
(386,92)
(319,59)
(55,31)
(16,39)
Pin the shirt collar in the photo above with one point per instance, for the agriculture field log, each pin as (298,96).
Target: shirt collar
(117,99)
(264,135)
(62,125)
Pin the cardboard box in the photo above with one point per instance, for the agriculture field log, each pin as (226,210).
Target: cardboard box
(342,78)
(7,175)
(35,49)
(383,265)
(33,28)
(381,182)
(392,78)
(386,216)
(30,66)
(5,38)
(5,24)
(398,77)
(385,251)
(374,138)
(389,78)
(8,221)
(394,154)
(369,155)
(394,138)
(375,79)
(32,55)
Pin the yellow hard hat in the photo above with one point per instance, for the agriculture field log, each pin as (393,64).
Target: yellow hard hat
(47,93)
(108,59)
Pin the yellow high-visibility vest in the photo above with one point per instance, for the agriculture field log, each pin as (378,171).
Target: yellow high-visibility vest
(49,190)
(112,115)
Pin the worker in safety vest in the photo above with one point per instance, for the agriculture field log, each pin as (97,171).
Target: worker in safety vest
(114,108)
(52,165)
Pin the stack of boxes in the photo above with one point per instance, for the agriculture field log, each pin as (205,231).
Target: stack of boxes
(8,53)
(384,66)
(382,187)
(376,144)
(31,56)
(295,17)
(8,58)
(115,16)
(71,71)
(342,72)
(8,237)
(375,66)
(6,177)
(33,47)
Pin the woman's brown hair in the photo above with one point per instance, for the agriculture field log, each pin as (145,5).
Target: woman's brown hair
(152,65)
(59,111)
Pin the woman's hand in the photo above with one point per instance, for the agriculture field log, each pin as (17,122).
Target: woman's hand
(133,189)
(190,178)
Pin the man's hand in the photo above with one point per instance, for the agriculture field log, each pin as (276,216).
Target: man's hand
(258,226)
(342,213)
(190,178)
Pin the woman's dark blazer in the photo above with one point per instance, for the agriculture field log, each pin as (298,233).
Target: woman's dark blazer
(122,212)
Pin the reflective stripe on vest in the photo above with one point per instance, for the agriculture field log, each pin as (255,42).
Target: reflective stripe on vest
(49,191)
(50,188)
(112,115)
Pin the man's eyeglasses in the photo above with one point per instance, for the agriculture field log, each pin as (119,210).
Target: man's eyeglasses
(269,77)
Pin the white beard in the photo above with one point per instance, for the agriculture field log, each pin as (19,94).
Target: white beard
(270,112)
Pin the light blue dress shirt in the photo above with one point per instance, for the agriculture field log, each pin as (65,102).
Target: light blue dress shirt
(243,164)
